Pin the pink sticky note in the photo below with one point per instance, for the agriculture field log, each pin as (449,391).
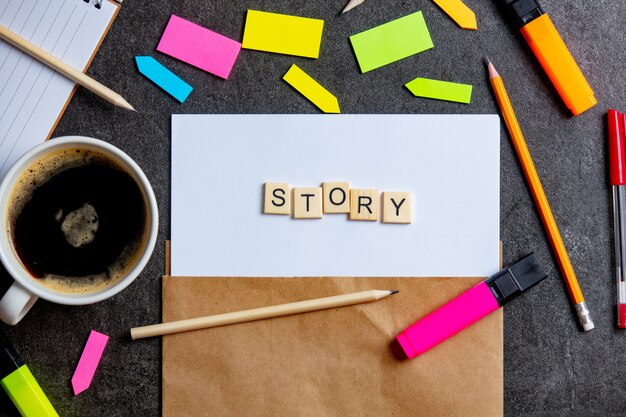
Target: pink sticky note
(199,46)
(89,361)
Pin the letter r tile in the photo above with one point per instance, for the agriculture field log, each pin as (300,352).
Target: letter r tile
(364,205)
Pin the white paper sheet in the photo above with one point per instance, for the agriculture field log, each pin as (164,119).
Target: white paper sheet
(32,95)
(449,162)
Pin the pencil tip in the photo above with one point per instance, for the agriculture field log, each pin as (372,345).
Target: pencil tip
(120,102)
(393,291)
(492,70)
(351,5)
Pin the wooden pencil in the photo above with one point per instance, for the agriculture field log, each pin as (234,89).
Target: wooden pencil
(64,69)
(534,183)
(259,313)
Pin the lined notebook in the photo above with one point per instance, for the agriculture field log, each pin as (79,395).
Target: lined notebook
(33,96)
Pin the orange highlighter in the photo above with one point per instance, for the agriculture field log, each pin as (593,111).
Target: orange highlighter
(555,58)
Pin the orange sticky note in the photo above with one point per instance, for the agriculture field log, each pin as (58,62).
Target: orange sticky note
(459,12)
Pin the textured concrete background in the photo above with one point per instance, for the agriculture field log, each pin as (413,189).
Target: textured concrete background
(551,367)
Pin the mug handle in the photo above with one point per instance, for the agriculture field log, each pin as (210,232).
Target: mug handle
(15,303)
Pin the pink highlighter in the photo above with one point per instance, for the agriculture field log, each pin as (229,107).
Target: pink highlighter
(471,306)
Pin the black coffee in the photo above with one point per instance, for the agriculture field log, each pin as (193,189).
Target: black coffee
(77,220)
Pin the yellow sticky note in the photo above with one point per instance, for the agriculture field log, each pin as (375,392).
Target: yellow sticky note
(312,90)
(283,34)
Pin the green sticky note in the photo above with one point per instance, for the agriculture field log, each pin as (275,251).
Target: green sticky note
(440,90)
(391,41)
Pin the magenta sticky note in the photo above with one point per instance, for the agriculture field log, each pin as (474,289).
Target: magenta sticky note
(199,46)
(89,361)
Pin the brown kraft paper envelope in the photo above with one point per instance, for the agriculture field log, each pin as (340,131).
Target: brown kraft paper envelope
(335,362)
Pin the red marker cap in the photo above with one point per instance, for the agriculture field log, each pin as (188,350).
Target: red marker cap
(621,316)
(617,153)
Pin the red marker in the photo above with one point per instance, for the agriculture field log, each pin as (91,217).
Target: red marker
(617,166)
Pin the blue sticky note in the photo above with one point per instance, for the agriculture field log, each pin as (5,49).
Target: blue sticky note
(163,77)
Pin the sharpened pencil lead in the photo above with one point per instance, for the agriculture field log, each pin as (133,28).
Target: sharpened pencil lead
(351,5)
(492,70)
(394,291)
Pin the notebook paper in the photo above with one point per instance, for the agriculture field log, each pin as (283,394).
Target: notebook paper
(450,163)
(33,96)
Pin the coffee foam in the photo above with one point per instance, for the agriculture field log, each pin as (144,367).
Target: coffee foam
(43,170)
(79,226)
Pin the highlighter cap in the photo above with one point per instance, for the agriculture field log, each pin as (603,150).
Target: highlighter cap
(514,280)
(9,359)
(524,11)
(617,154)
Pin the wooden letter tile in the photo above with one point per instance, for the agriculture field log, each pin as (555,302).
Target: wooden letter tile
(364,205)
(307,203)
(336,197)
(277,198)
(397,207)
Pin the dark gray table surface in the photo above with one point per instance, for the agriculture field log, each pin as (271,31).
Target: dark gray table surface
(551,367)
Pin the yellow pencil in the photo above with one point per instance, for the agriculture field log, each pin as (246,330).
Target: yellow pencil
(549,224)
(64,69)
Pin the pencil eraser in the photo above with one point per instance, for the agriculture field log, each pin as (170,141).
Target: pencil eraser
(588,326)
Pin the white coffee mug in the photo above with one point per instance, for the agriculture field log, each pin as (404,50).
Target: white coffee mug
(18,300)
